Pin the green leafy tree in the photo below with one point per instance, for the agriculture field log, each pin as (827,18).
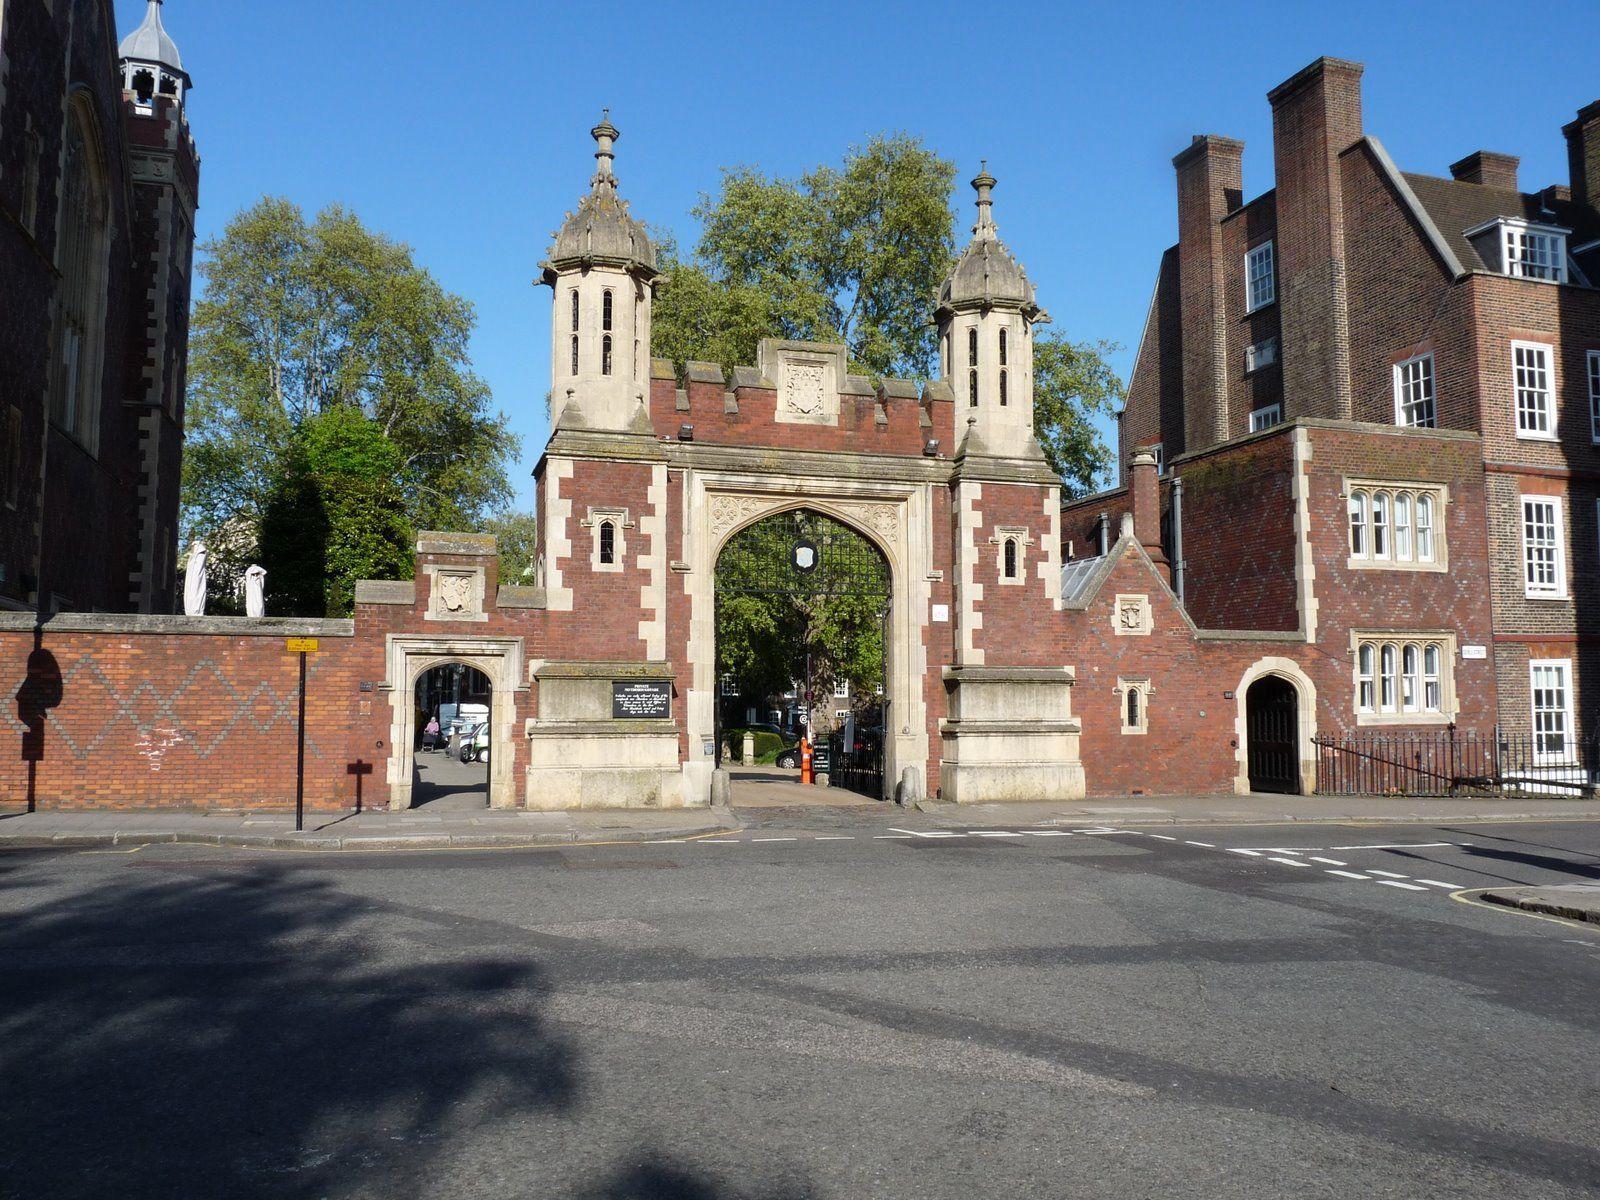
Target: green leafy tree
(855,254)
(516,533)
(303,319)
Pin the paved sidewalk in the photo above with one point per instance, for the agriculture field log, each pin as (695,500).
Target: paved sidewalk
(1574,901)
(1263,809)
(416,830)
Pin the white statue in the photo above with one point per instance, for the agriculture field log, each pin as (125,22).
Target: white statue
(255,591)
(194,581)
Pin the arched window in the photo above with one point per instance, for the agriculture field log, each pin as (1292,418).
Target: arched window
(972,367)
(1410,677)
(605,311)
(574,294)
(1133,721)
(605,355)
(1002,388)
(81,248)
(1380,525)
(1402,526)
(1432,686)
(608,543)
(1389,682)
(1002,347)
(574,354)
(1365,696)
(1424,528)
(1358,523)
(1011,558)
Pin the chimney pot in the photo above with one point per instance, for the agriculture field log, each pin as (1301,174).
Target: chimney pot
(1583,154)
(1487,167)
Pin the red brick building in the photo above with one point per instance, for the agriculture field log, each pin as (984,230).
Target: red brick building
(99,182)
(1375,401)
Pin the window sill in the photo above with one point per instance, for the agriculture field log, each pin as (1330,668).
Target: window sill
(1250,312)
(1527,595)
(1523,436)
(1403,718)
(1379,564)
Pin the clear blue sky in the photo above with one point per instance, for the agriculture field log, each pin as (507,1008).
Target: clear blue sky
(461,126)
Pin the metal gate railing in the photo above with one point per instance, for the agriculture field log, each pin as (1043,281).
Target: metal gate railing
(1456,763)
(856,770)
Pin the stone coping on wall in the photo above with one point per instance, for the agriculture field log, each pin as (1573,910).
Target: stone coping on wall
(435,542)
(518,596)
(552,669)
(960,674)
(386,591)
(165,624)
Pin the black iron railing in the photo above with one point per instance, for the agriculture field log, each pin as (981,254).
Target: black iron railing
(1452,762)
(856,770)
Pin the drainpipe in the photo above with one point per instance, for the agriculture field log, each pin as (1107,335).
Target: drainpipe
(1177,537)
(1103,532)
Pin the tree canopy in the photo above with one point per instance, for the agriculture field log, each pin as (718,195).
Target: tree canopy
(855,254)
(330,389)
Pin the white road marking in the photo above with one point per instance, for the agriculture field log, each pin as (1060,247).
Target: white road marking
(1389,874)
(1293,862)
(923,833)
(1350,874)
(666,841)
(992,833)
(1410,887)
(1449,887)
(1236,850)
(834,837)
(1207,845)
(1163,837)
(1097,831)
(717,842)
(779,839)
(1332,862)
(890,837)
(1396,846)
(1047,832)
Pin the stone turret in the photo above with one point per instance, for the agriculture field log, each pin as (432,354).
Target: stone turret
(986,313)
(601,268)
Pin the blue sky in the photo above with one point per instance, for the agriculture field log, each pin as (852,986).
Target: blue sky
(461,126)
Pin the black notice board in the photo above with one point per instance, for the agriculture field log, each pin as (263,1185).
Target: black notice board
(641,699)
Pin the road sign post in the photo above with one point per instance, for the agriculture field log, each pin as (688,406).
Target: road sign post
(301,647)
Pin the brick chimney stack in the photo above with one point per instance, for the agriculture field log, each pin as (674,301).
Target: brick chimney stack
(1583,154)
(1316,116)
(1144,495)
(1488,168)
(1210,186)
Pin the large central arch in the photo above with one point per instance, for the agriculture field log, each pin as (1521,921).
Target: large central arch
(896,517)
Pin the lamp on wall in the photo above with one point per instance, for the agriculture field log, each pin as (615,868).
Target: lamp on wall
(686,432)
(930,448)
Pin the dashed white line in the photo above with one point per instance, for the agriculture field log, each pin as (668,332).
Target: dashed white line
(1293,862)
(1395,846)
(777,839)
(925,833)
(891,837)
(1332,862)
(1449,887)
(992,833)
(1387,874)
(1410,887)
(1207,845)
(1350,874)
(717,842)
(834,837)
(1236,850)
(1046,833)
(1163,837)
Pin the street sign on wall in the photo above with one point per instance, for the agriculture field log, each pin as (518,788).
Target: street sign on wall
(641,699)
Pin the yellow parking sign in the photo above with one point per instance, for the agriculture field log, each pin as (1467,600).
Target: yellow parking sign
(300,645)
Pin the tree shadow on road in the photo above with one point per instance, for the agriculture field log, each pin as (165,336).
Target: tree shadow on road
(654,1176)
(235,1035)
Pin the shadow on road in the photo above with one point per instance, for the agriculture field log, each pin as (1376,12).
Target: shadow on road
(655,1177)
(235,1036)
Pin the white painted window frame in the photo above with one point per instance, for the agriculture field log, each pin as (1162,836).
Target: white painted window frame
(1259,355)
(1548,392)
(1557,590)
(1253,257)
(1258,417)
(1565,711)
(1592,360)
(1427,377)
(1515,237)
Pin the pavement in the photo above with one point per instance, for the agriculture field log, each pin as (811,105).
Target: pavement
(825,1004)
(1573,901)
(452,811)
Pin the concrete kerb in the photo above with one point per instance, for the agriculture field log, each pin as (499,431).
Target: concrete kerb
(1571,901)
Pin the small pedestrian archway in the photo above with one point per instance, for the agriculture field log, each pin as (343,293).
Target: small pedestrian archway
(1275,728)
(802,634)
(409,660)
(452,742)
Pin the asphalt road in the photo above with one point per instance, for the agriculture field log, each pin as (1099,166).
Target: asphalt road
(820,1006)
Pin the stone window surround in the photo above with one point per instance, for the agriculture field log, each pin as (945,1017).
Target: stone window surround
(1023,537)
(620,521)
(1440,560)
(1449,703)
(1140,685)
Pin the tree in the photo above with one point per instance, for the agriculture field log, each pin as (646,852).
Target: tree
(516,533)
(301,320)
(856,254)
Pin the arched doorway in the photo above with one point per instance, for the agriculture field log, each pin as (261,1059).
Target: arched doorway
(1272,732)
(802,614)
(453,738)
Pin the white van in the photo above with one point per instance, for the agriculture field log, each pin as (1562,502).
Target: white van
(469,715)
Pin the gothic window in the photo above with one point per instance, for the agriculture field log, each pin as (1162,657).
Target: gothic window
(972,387)
(1395,527)
(1131,717)
(605,311)
(81,250)
(1003,364)
(574,354)
(608,538)
(574,295)
(1011,558)
(608,543)
(1403,681)
(605,355)
(31,153)
(1002,387)
(1002,347)
(1135,705)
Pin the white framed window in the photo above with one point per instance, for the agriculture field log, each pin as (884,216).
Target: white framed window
(1535,390)
(1260,285)
(1160,451)
(1550,693)
(1413,392)
(730,687)
(1266,418)
(1403,678)
(1396,526)
(1544,573)
(1594,395)
(841,689)
(1260,354)
(1531,251)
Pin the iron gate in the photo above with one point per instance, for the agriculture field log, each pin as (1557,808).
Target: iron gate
(797,586)
(1272,725)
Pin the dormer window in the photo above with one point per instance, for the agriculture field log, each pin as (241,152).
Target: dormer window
(1534,251)
(1260,283)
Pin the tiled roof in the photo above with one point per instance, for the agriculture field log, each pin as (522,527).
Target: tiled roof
(1456,207)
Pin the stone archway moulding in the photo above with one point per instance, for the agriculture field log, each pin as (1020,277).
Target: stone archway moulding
(1306,723)
(406,658)
(897,517)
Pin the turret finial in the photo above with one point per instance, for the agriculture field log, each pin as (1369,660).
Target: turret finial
(605,136)
(983,183)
